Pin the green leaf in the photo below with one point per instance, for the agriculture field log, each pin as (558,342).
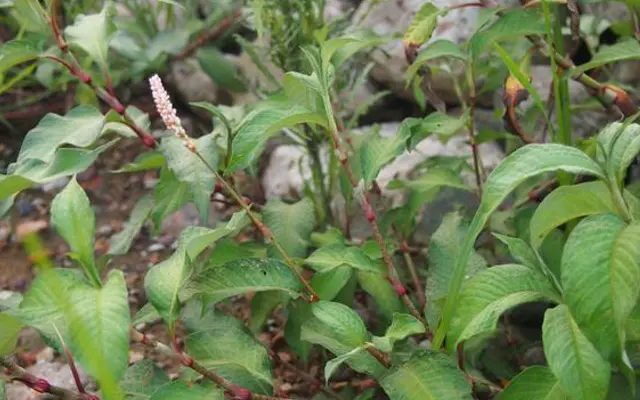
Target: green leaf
(142,380)
(181,390)
(80,127)
(378,287)
(567,203)
(339,329)
(146,315)
(73,218)
(336,255)
(298,312)
(105,317)
(144,162)
(423,25)
(437,49)
(329,283)
(522,164)
(434,178)
(339,50)
(11,327)
(121,241)
(534,383)
(520,251)
(223,344)
(194,239)
(243,276)
(11,184)
(333,364)
(16,52)
(262,123)
(291,224)
(221,70)
(601,279)
(511,25)
(572,358)
(626,49)
(170,195)
(442,254)
(621,144)
(190,169)
(31,16)
(93,32)
(378,150)
(402,326)
(491,293)
(428,375)
(262,306)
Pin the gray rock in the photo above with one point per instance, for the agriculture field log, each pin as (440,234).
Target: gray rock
(193,83)
(56,373)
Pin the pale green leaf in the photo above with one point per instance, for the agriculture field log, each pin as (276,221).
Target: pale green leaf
(520,251)
(434,178)
(80,127)
(511,25)
(378,287)
(142,380)
(189,168)
(378,150)
(491,293)
(144,162)
(522,164)
(11,184)
(437,49)
(336,255)
(261,124)
(16,52)
(73,218)
(146,315)
(329,283)
(93,32)
(223,344)
(31,15)
(221,70)
(243,276)
(11,327)
(621,144)
(423,25)
(402,326)
(333,364)
(291,224)
(601,279)
(170,195)
(428,375)
(181,390)
(534,383)
(121,241)
(574,361)
(626,49)
(339,329)
(298,313)
(567,203)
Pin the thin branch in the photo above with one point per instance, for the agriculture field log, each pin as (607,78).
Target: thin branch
(41,385)
(404,249)
(210,35)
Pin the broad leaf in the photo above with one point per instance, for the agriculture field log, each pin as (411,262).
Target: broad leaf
(378,150)
(223,344)
(423,24)
(491,293)
(442,254)
(522,164)
(567,203)
(221,70)
(534,383)
(291,224)
(11,327)
(190,169)
(329,283)
(336,255)
(402,326)
(572,358)
(339,329)
(181,390)
(105,317)
(244,276)
(621,144)
(627,49)
(428,375)
(333,364)
(16,52)
(170,195)
(437,49)
(377,285)
(601,279)
(73,218)
(142,380)
(520,251)
(511,25)
(80,127)
(262,123)
(144,162)
(121,241)
(93,32)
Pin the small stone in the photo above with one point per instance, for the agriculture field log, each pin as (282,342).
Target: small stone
(105,230)
(135,356)
(28,227)
(45,355)
(286,387)
(155,247)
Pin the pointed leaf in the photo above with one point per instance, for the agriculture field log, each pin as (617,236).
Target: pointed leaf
(80,127)
(422,26)
(439,48)
(224,345)
(378,150)
(534,383)
(221,70)
(73,218)
(522,164)
(520,251)
(142,380)
(144,162)
(601,279)
(333,364)
(16,52)
(402,326)
(336,255)
(244,276)
(621,143)
(93,32)
(492,292)
(428,375)
(181,390)
(378,287)
(11,327)
(291,224)
(170,195)
(567,203)
(627,49)
(121,241)
(329,283)
(190,169)
(434,178)
(512,24)
(579,367)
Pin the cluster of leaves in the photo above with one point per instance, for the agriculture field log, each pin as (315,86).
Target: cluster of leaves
(577,252)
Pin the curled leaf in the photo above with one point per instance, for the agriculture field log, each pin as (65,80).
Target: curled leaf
(514,94)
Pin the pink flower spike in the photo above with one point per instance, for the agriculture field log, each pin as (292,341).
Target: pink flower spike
(165,108)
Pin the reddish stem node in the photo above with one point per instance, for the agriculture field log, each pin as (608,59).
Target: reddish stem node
(368,212)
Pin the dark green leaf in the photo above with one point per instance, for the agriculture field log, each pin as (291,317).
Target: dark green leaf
(16,52)
(336,255)
(221,70)
(626,49)
(402,326)
(534,383)
(121,241)
(142,380)
(439,48)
